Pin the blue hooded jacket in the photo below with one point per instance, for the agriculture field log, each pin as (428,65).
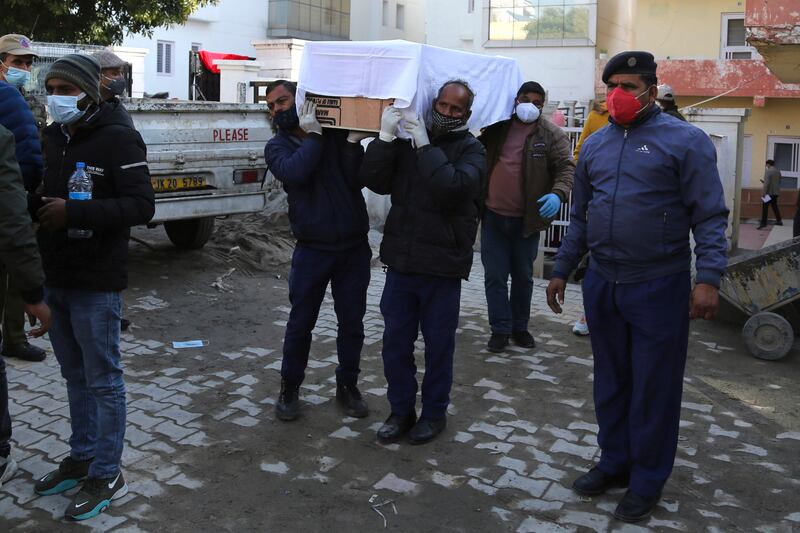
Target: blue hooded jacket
(320,176)
(638,193)
(16,116)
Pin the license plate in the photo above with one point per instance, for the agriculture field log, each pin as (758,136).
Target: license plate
(178,184)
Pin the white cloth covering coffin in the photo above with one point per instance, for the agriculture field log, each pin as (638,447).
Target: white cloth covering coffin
(410,73)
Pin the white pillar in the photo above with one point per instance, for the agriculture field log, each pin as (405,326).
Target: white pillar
(134,56)
(280,58)
(725,126)
(232,73)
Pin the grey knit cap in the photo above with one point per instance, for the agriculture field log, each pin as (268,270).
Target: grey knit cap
(108,59)
(80,69)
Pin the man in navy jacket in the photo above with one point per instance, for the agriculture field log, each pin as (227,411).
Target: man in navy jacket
(16,58)
(641,185)
(319,172)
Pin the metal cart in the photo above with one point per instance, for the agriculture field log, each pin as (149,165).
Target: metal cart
(757,283)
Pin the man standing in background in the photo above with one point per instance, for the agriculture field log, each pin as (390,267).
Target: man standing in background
(530,177)
(771,191)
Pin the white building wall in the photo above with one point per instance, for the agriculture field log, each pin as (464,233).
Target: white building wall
(227,27)
(566,72)
(376,20)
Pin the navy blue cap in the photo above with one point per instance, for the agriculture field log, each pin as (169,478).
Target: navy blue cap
(632,62)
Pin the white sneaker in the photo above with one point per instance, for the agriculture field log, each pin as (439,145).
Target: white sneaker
(580,327)
(7,469)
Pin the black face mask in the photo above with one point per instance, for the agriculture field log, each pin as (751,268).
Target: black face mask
(116,86)
(287,120)
(441,124)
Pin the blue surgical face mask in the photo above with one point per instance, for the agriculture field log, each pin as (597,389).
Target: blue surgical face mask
(17,77)
(64,109)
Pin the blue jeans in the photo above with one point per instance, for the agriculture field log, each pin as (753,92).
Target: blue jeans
(85,338)
(505,251)
(312,270)
(411,302)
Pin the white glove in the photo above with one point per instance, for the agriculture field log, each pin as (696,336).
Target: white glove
(308,118)
(358,136)
(416,128)
(389,120)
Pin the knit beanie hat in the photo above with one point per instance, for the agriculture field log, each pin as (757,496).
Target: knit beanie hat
(80,69)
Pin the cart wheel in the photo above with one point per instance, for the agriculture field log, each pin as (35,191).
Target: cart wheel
(768,336)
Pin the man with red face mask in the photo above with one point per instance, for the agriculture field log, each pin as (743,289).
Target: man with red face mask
(641,185)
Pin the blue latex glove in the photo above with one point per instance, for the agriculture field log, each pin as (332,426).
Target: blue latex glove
(550,204)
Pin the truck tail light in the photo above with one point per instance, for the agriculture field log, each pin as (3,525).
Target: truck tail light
(248,176)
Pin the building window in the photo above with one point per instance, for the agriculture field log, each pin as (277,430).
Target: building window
(309,19)
(385,12)
(165,58)
(734,45)
(470,6)
(542,22)
(400,21)
(196,47)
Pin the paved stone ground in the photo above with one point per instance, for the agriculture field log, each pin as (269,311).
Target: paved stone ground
(203,451)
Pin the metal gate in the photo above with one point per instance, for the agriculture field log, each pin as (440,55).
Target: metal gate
(558,228)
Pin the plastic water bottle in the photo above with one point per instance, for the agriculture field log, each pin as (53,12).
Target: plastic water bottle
(80,188)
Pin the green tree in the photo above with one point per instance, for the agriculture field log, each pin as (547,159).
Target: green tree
(92,21)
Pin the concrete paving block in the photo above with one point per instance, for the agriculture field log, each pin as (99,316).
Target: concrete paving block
(9,510)
(144,421)
(52,446)
(136,436)
(584,452)
(179,415)
(245,421)
(173,431)
(22,435)
(34,418)
(184,481)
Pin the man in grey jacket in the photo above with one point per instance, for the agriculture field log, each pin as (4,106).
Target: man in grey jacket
(772,188)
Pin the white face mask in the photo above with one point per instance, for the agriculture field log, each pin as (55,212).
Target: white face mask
(64,109)
(527,112)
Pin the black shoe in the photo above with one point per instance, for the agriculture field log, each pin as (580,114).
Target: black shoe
(596,482)
(425,430)
(288,406)
(95,497)
(67,476)
(761,226)
(779,223)
(124,324)
(396,427)
(634,508)
(25,351)
(498,342)
(523,339)
(350,398)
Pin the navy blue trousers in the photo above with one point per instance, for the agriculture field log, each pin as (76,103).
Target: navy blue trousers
(640,334)
(411,302)
(348,274)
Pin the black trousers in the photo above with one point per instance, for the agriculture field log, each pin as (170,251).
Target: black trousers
(765,207)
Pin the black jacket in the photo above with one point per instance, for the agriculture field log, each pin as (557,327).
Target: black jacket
(436,200)
(122,196)
(320,177)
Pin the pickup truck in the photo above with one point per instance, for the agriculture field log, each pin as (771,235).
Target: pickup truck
(206,160)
